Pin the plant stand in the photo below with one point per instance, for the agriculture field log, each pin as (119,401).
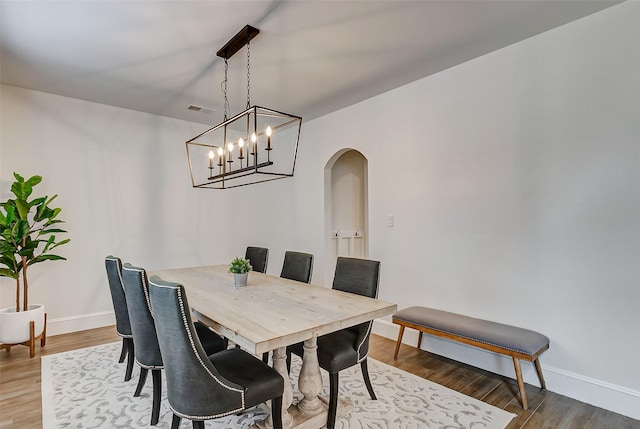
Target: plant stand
(31,342)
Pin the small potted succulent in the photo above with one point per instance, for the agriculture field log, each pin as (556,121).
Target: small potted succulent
(240,268)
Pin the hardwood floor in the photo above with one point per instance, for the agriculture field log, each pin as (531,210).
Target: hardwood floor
(547,410)
(20,399)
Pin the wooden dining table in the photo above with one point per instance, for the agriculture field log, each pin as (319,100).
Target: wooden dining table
(270,313)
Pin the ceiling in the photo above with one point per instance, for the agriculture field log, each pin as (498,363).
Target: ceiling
(310,58)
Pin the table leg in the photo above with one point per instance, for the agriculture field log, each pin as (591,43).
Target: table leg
(280,365)
(310,380)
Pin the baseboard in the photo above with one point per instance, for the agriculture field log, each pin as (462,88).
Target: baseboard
(599,393)
(64,325)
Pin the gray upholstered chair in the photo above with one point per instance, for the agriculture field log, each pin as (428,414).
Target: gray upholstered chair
(201,387)
(258,258)
(297,266)
(145,340)
(113,265)
(347,347)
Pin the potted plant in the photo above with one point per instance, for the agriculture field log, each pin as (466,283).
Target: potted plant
(240,268)
(28,228)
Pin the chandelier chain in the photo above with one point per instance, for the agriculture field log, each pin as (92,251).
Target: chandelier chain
(248,74)
(224,89)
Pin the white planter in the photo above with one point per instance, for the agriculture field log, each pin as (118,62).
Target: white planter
(240,279)
(14,327)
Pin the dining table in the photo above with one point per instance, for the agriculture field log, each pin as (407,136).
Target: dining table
(270,313)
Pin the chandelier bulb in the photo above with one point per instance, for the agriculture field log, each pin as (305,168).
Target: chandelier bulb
(269,131)
(254,137)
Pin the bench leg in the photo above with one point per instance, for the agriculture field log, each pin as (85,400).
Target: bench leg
(539,371)
(523,395)
(419,339)
(400,334)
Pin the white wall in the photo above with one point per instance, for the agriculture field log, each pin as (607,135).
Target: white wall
(514,180)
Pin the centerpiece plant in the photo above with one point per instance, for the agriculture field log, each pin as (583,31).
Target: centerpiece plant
(240,268)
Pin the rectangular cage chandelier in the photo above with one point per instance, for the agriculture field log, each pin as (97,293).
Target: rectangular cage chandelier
(256,145)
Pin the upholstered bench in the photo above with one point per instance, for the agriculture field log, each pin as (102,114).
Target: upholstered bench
(508,340)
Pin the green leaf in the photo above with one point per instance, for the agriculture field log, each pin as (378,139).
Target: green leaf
(6,247)
(49,243)
(52,230)
(51,199)
(7,259)
(65,241)
(40,213)
(5,272)
(20,230)
(34,180)
(23,209)
(10,214)
(42,258)
(22,189)
(37,201)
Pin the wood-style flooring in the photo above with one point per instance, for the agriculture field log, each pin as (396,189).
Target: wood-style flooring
(20,399)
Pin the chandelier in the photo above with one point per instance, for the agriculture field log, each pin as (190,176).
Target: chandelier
(256,145)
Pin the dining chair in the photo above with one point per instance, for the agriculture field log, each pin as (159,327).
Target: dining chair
(297,266)
(200,386)
(145,340)
(258,258)
(342,349)
(113,265)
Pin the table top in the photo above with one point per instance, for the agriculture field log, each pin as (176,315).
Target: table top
(270,312)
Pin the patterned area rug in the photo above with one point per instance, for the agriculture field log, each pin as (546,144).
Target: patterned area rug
(86,389)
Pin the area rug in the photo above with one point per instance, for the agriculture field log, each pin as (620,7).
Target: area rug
(86,389)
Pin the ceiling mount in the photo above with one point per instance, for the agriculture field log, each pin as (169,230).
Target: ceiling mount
(238,41)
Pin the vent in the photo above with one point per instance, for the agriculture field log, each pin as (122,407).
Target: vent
(201,109)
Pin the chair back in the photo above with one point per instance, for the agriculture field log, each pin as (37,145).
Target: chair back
(195,389)
(359,276)
(258,258)
(113,265)
(145,340)
(297,266)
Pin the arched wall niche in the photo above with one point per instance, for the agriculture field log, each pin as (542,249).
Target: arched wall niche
(346,208)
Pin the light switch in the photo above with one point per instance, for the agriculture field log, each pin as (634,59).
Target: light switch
(390,220)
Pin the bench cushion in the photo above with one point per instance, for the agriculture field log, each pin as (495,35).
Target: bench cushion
(496,334)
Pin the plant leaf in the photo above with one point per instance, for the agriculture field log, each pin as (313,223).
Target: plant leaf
(23,208)
(34,180)
(37,201)
(60,243)
(42,258)
(52,230)
(5,272)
